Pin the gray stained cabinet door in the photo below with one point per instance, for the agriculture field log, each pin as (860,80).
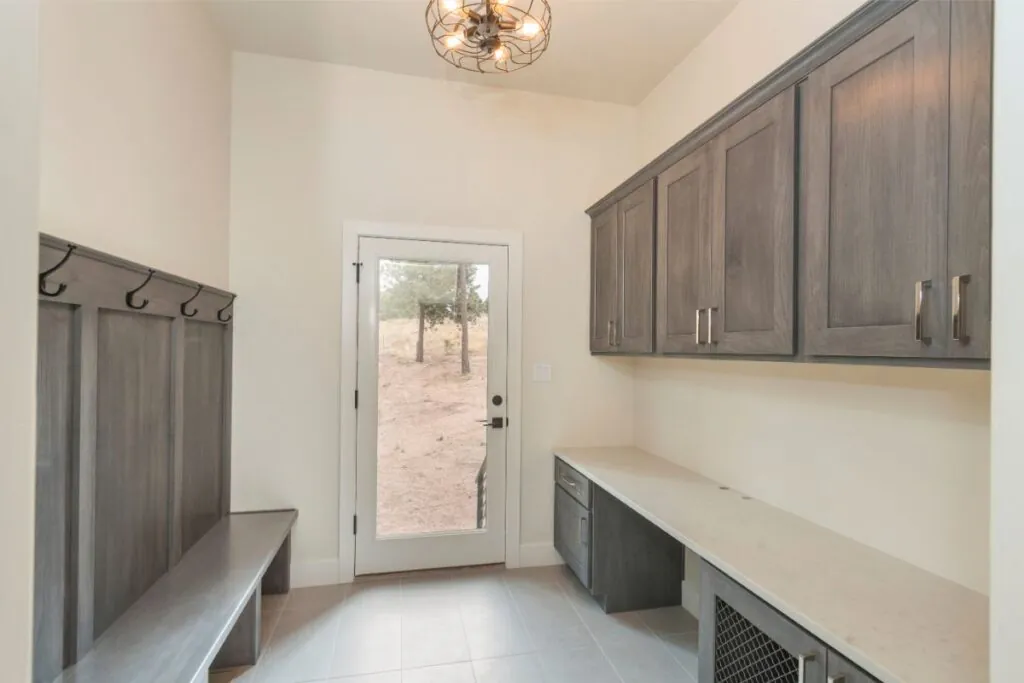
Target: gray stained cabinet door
(604,280)
(684,253)
(753,226)
(842,671)
(877,124)
(970,179)
(634,331)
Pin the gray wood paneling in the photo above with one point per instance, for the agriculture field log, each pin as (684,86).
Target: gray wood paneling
(81,622)
(635,565)
(970,173)
(604,280)
(204,409)
(55,403)
(683,252)
(174,632)
(635,330)
(754,228)
(133,460)
(877,130)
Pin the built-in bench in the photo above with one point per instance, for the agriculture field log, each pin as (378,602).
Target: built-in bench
(203,614)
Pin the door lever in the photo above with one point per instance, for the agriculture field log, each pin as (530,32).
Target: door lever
(494,422)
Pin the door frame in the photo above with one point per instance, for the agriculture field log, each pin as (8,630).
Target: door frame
(513,240)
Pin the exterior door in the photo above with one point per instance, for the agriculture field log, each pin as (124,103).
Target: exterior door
(604,280)
(753,226)
(684,253)
(877,149)
(431,400)
(635,329)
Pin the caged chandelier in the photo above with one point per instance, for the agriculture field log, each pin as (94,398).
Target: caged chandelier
(489,36)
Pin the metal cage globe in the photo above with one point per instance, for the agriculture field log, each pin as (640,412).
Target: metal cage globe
(489,36)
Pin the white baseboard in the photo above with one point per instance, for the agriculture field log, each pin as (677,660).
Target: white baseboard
(538,555)
(315,573)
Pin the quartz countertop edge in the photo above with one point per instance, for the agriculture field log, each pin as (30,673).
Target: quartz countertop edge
(898,622)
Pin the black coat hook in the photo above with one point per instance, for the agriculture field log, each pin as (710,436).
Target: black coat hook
(129,298)
(46,273)
(199,290)
(220,314)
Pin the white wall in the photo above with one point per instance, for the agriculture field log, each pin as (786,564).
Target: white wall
(314,145)
(895,458)
(19,176)
(135,131)
(754,40)
(1007,615)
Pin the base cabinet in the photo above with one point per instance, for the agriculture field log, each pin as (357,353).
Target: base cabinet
(744,640)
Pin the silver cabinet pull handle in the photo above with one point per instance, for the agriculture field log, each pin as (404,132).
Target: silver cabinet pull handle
(959,327)
(697,328)
(837,679)
(611,342)
(711,312)
(569,482)
(615,333)
(919,288)
(801,663)
(583,532)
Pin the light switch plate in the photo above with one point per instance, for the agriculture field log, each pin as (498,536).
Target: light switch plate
(541,372)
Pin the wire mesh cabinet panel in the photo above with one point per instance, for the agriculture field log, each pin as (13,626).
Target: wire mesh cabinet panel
(743,640)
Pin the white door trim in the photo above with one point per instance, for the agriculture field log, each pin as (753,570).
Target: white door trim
(351,232)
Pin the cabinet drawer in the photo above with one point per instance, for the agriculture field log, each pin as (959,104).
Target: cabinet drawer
(573,534)
(574,483)
(743,640)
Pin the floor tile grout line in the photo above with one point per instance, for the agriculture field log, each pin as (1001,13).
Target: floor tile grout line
(600,648)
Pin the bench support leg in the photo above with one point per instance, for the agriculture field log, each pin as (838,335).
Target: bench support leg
(242,648)
(278,579)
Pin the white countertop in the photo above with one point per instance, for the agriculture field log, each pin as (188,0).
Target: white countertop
(897,621)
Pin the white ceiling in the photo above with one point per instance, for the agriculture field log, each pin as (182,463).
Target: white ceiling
(610,50)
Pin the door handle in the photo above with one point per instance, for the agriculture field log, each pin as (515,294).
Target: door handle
(494,423)
(711,312)
(919,287)
(696,329)
(611,342)
(958,308)
(801,663)
(584,541)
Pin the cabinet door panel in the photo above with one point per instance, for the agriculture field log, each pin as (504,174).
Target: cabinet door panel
(842,671)
(604,279)
(635,329)
(877,132)
(753,226)
(970,176)
(684,252)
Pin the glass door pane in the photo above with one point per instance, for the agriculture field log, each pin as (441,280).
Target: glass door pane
(431,397)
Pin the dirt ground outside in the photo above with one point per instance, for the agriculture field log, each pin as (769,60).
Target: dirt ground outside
(430,443)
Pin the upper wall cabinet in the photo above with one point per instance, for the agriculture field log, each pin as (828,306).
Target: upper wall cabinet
(622,275)
(725,240)
(897,182)
(864,162)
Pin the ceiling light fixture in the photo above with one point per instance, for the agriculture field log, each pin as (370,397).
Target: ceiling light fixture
(489,36)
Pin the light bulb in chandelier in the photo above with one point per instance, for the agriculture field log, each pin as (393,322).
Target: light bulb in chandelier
(453,41)
(530,29)
(501,54)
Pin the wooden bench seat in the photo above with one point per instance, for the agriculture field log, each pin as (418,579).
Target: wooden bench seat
(205,612)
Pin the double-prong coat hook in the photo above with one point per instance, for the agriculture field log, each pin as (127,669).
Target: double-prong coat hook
(46,273)
(184,311)
(129,298)
(220,314)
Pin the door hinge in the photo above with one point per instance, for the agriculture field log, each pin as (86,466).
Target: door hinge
(357,399)
(359,269)
(355,524)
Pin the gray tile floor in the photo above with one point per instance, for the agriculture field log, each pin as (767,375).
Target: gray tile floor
(467,626)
